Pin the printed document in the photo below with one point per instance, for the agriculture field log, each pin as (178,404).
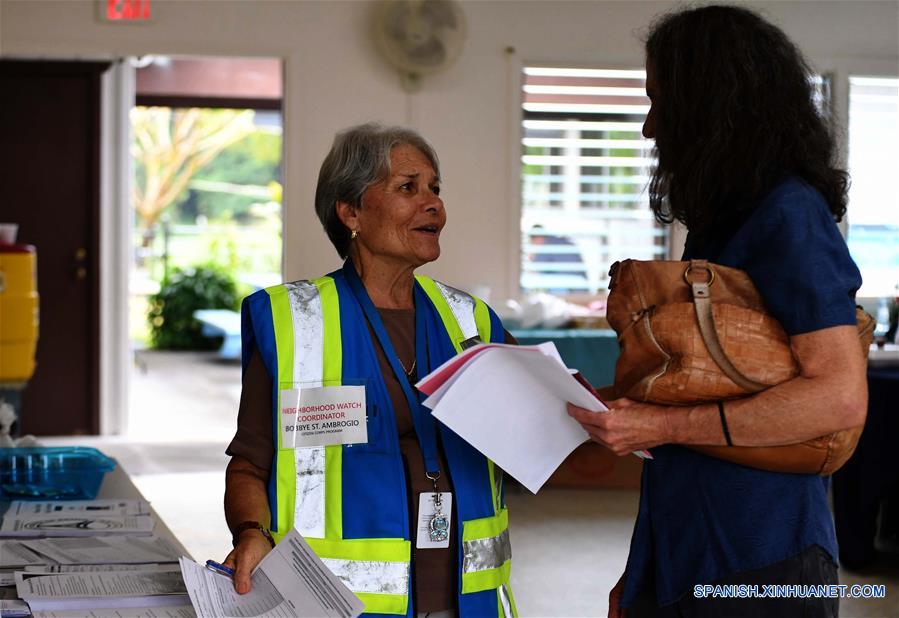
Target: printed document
(75,525)
(107,589)
(14,555)
(26,508)
(509,402)
(105,550)
(290,581)
(176,611)
(77,518)
(79,568)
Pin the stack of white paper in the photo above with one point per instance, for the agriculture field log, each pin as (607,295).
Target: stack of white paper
(109,589)
(175,611)
(105,550)
(14,555)
(510,403)
(77,518)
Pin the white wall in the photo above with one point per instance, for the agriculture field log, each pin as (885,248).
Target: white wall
(334,78)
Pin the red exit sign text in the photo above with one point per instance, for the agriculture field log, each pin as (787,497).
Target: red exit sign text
(125,11)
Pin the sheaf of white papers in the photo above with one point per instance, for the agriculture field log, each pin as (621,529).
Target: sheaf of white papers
(105,550)
(509,402)
(79,568)
(107,589)
(290,581)
(178,611)
(77,518)
(74,525)
(13,554)
(27,508)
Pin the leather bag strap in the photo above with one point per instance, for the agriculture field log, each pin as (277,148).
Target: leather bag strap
(702,301)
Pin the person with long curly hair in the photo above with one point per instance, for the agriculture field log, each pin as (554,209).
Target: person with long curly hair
(747,161)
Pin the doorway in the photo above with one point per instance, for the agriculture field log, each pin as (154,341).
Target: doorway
(206,154)
(50,174)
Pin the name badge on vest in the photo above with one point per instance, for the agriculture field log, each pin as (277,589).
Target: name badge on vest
(323,416)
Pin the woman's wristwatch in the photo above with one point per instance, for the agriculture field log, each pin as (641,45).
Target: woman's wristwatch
(252,525)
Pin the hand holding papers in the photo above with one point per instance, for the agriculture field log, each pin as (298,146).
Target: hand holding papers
(509,402)
(290,581)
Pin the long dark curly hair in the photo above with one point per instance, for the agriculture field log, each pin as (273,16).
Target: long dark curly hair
(734,115)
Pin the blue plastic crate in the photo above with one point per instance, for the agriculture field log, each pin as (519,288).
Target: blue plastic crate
(52,473)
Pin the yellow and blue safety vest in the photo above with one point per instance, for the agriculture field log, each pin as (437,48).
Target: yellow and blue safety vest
(350,501)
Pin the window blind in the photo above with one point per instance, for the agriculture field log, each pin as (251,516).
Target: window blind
(585,168)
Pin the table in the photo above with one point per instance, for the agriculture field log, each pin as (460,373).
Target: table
(117,484)
(592,351)
(872,474)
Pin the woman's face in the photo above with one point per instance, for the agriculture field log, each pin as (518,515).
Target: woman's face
(652,91)
(401,216)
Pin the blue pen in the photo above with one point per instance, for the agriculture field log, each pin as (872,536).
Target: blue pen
(221,569)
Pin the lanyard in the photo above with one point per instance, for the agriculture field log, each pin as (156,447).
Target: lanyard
(422,420)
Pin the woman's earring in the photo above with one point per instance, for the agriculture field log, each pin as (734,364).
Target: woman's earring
(353,234)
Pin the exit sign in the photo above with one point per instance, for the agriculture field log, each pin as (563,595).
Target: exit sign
(124,11)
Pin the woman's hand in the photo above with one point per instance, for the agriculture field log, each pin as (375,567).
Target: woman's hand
(246,501)
(252,546)
(615,610)
(628,425)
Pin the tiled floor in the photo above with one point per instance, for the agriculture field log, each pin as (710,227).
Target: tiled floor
(570,546)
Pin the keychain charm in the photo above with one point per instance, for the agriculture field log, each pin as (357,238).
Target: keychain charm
(434,519)
(438,526)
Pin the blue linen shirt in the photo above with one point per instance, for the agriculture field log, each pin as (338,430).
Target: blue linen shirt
(701,518)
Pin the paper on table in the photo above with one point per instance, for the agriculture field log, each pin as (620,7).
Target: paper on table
(290,581)
(110,589)
(105,549)
(77,518)
(74,524)
(177,611)
(26,508)
(80,568)
(13,554)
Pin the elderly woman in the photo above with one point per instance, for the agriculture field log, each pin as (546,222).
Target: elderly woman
(746,162)
(409,516)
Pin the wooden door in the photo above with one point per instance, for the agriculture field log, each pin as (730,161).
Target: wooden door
(50,179)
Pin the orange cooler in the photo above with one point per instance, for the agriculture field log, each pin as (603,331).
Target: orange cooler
(18,312)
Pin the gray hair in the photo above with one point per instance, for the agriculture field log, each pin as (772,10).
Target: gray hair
(359,158)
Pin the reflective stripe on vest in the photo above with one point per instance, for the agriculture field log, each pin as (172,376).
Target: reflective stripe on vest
(506,602)
(463,315)
(486,552)
(306,317)
(376,570)
(312,360)
(306,314)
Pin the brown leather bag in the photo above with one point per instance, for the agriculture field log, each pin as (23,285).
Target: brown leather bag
(693,332)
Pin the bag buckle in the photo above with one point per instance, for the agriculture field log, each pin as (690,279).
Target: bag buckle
(699,266)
